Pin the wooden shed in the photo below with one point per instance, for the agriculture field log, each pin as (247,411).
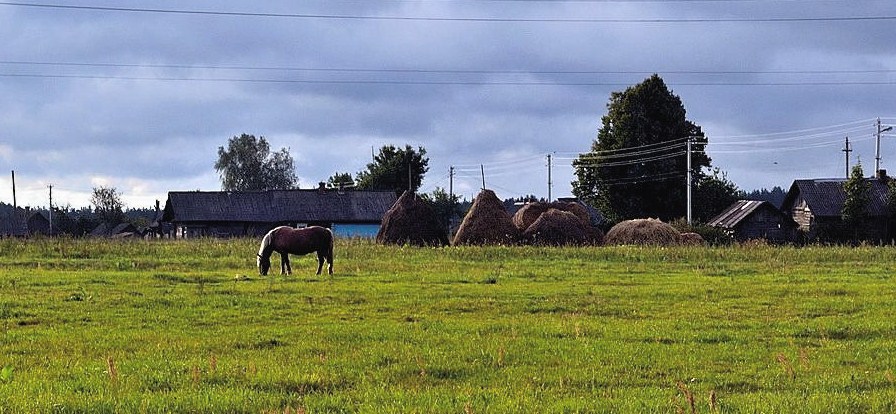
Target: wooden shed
(817,208)
(754,220)
(253,213)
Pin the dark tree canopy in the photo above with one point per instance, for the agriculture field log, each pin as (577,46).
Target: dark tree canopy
(107,204)
(636,167)
(712,194)
(340,180)
(446,206)
(393,168)
(247,164)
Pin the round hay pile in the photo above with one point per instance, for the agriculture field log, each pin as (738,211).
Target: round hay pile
(527,215)
(691,239)
(651,232)
(487,222)
(411,221)
(559,228)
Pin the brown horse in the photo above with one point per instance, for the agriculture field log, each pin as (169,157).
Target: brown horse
(287,240)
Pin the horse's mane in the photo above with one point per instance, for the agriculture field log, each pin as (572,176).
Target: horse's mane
(265,242)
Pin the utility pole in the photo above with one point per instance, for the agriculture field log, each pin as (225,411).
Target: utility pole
(877,146)
(550,184)
(690,180)
(14,205)
(846,151)
(451,182)
(482,169)
(51,209)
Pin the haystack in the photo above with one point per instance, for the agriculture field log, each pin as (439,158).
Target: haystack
(691,239)
(411,221)
(651,232)
(487,222)
(527,215)
(558,228)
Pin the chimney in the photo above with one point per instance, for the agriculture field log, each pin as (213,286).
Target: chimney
(882,174)
(321,187)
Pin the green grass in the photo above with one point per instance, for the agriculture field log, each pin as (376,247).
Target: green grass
(189,326)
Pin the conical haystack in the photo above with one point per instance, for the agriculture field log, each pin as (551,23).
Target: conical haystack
(691,239)
(487,222)
(411,221)
(527,215)
(558,228)
(643,232)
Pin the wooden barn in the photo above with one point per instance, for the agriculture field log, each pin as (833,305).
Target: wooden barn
(23,223)
(755,220)
(816,206)
(253,213)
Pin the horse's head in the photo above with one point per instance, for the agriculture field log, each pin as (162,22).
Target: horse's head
(264,264)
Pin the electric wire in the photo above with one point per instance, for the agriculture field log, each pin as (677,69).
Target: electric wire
(438,71)
(323,16)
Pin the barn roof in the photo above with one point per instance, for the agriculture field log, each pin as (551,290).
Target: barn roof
(825,197)
(737,212)
(278,206)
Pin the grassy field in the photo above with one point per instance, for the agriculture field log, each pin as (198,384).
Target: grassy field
(189,326)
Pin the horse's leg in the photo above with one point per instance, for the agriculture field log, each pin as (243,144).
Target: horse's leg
(285,269)
(330,262)
(320,262)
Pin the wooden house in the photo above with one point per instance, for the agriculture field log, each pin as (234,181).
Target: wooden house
(754,220)
(817,208)
(253,213)
(23,223)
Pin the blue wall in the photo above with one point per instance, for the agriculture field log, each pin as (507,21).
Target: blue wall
(356,230)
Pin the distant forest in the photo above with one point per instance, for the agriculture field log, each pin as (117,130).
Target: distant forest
(775,195)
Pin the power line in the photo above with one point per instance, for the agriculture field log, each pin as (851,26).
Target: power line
(633,161)
(428,83)
(445,71)
(452,19)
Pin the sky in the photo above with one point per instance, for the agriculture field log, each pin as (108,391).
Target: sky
(139,95)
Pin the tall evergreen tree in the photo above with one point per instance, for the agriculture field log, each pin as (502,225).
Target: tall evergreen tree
(636,167)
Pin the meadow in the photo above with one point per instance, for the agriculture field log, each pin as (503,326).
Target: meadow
(98,326)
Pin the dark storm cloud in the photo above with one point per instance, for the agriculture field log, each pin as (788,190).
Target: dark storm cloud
(155,94)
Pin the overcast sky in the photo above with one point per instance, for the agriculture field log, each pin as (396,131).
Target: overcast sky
(139,95)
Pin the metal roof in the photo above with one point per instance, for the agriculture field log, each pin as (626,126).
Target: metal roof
(278,206)
(737,212)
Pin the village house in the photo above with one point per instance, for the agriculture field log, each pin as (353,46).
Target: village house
(23,223)
(753,220)
(253,213)
(817,208)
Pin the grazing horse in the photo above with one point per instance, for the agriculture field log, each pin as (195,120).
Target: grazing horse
(287,240)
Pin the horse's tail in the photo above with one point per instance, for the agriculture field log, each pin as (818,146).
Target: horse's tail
(330,248)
